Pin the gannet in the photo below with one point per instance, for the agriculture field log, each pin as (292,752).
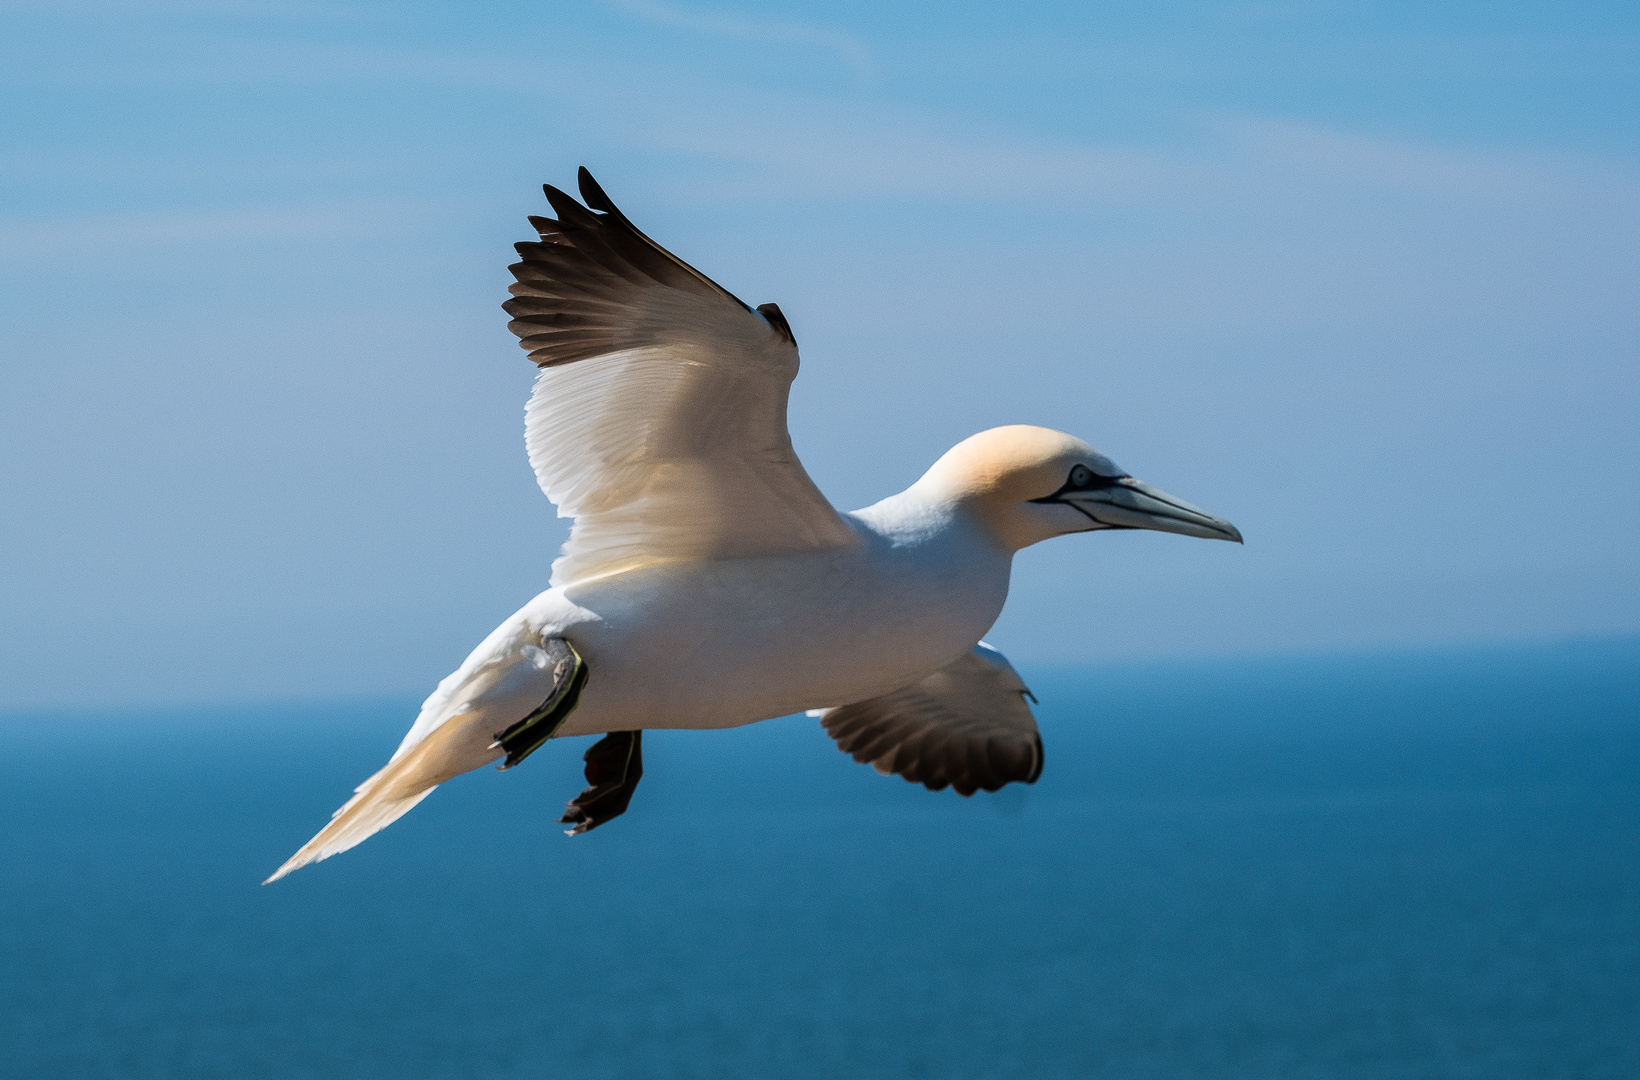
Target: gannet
(706,581)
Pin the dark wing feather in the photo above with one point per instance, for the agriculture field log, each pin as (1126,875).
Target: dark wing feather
(581,290)
(966,727)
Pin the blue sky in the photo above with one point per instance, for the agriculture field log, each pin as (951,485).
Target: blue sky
(1359,277)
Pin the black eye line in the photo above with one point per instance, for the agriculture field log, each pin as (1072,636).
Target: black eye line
(1097,483)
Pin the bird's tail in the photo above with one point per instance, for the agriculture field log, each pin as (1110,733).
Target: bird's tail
(376,804)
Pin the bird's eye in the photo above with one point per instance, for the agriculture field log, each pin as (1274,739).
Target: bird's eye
(1081,476)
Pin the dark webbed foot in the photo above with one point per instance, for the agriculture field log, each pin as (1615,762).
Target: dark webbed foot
(614,767)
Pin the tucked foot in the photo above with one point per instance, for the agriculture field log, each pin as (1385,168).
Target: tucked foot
(614,767)
(569,674)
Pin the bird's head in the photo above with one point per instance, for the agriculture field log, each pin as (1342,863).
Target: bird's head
(1027,484)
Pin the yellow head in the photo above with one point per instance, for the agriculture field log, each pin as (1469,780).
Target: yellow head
(1026,484)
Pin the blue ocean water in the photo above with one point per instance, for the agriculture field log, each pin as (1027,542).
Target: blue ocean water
(1421,865)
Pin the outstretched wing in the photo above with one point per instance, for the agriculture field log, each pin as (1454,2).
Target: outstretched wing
(966,726)
(658,421)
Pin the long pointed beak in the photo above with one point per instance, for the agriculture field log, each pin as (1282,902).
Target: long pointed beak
(1134,504)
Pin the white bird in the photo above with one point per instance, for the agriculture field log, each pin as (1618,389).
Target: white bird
(707,583)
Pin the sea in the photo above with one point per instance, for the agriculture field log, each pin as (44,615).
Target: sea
(1379,866)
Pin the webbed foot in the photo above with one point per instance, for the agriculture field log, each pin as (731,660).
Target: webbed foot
(614,767)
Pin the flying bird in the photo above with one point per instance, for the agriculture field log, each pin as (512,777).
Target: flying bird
(706,581)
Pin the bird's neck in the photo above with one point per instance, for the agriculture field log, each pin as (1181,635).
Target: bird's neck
(934,506)
(921,517)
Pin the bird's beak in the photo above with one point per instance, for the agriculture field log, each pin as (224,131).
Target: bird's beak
(1134,504)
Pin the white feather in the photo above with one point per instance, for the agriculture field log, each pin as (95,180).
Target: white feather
(677,452)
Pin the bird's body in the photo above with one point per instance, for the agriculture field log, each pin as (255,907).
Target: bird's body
(707,583)
(724,643)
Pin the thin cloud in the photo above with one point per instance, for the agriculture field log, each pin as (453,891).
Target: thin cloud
(30,241)
(846,46)
(784,148)
(792,149)
(153,8)
(1424,168)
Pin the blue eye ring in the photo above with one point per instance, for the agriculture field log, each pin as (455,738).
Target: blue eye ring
(1081,476)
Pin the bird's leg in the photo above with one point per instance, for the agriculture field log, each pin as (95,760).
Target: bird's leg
(614,767)
(569,674)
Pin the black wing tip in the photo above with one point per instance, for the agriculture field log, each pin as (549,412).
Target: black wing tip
(776,319)
(592,193)
(568,210)
(599,257)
